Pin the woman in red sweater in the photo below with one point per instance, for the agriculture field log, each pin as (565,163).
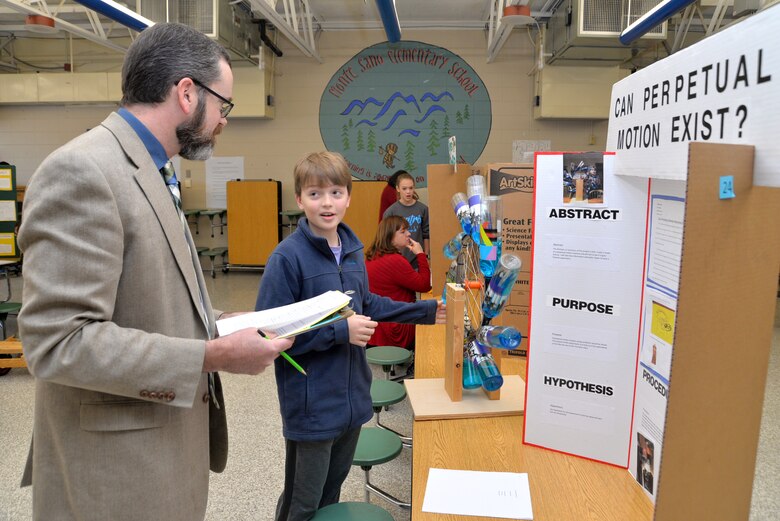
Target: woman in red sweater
(391,275)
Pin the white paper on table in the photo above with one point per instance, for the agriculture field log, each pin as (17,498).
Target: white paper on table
(476,493)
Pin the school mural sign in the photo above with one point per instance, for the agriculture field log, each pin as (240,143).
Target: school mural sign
(394,106)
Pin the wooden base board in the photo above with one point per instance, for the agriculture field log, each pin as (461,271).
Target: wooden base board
(430,401)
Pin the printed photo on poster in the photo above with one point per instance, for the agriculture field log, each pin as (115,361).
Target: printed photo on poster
(658,333)
(662,322)
(583,179)
(645,456)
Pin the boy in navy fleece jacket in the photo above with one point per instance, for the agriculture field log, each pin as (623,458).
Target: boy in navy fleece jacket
(322,413)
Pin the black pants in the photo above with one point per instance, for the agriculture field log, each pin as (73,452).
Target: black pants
(313,474)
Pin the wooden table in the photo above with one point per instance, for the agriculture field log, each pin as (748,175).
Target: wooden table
(563,488)
(12,346)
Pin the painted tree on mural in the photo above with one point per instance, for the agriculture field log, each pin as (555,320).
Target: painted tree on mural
(445,131)
(433,138)
(409,165)
(459,118)
(371,146)
(466,114)
(360,145)
(345,137)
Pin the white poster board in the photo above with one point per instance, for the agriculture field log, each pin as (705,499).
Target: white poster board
(664,250)
(586,292)
(220,170)
(721,90)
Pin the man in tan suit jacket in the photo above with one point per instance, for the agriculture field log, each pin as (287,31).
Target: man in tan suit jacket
(117,326)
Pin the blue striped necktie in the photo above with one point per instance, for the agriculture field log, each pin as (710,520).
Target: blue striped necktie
(169,175)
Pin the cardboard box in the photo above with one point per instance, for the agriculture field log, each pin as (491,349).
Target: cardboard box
(515,184)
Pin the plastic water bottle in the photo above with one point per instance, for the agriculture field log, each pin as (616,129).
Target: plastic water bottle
(460,204)
(500,337)
(485,366)
(490,249)
(452,248)
(497,292)
(471,378)
(476,191)
(451,276)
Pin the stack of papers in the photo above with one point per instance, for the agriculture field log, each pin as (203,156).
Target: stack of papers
(293,319)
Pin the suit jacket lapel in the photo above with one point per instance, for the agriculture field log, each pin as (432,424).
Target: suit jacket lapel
(151,183)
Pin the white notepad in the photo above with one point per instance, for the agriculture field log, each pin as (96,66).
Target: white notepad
(293,319)
(475,493)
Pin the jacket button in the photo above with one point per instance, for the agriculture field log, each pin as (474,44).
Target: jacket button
(206,398)
(144,394)
(169,396)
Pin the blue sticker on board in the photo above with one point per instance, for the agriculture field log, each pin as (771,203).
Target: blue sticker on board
(395,106)
(727,187)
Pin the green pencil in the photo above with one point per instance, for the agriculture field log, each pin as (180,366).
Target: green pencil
(286,356)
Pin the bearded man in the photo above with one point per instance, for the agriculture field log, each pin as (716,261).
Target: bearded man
(116,323)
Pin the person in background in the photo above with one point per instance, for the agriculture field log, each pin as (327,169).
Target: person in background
(415,213)
(390,193)
(118,328)
(322,413)
(391,275)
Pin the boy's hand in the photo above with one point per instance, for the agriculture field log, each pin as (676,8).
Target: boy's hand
(441,312)
(361,328)
(415,246)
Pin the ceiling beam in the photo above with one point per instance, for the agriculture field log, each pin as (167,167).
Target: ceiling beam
(500,27)
(302,37)
(25,7)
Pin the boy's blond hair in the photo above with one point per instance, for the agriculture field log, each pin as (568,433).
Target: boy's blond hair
(322,169)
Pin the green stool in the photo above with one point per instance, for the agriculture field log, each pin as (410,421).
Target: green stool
(193,212)
(213,253)
(388,357)
(376,446)
(292,218)
(352,512)
(212,214)
(8,308)
(385,393)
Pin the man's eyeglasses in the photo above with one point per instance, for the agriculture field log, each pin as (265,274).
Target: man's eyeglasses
(227,105)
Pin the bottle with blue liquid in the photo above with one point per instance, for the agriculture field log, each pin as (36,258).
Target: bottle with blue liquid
(460,204)
(500,287)
(499,337)
(471,378)
(485,366)
(452,248)
(476,191)
(490,241)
